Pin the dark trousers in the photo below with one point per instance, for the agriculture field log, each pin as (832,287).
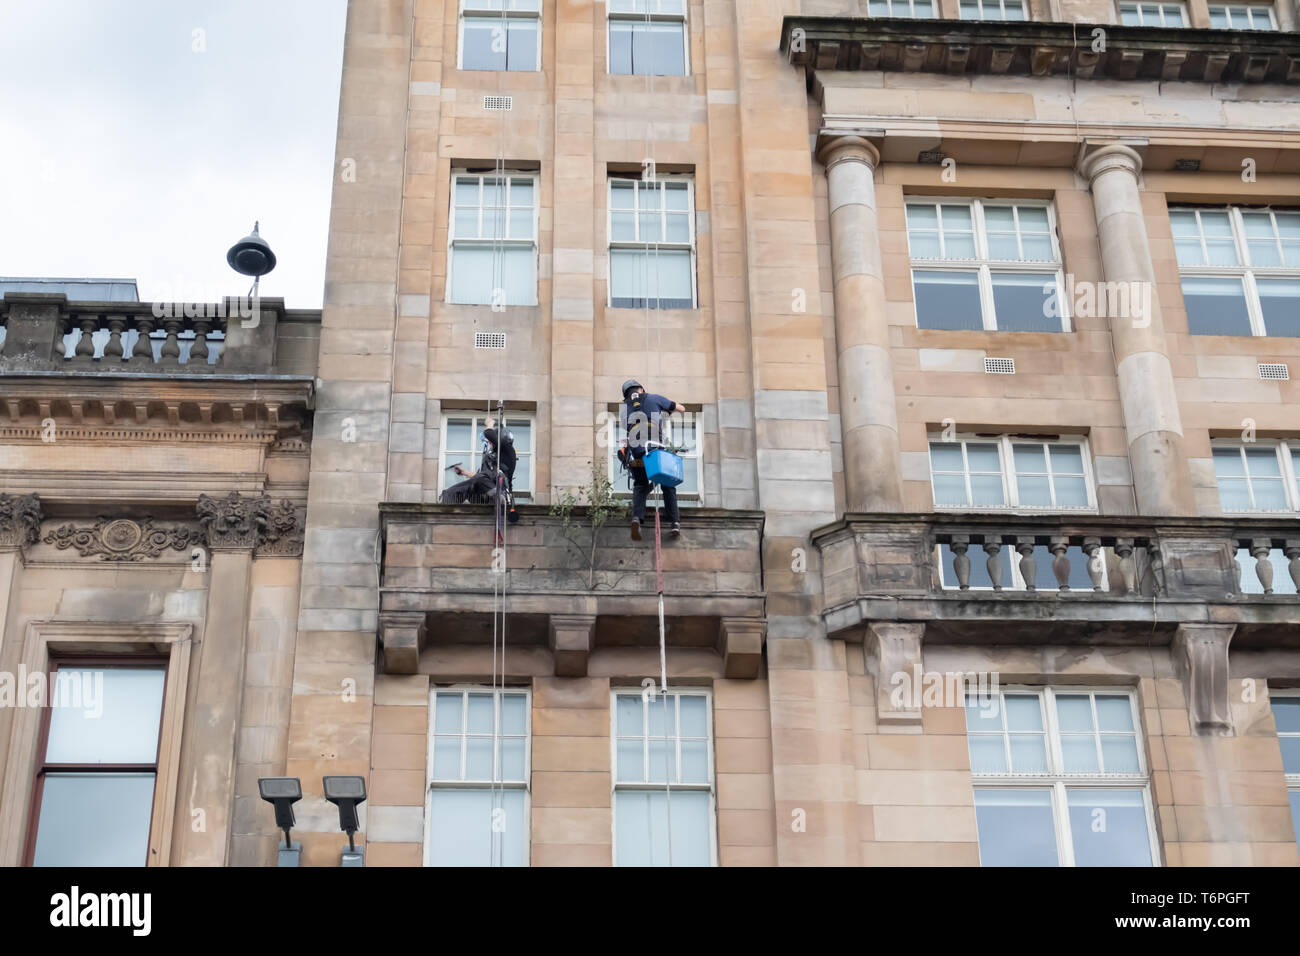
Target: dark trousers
(473,490)
(641,490)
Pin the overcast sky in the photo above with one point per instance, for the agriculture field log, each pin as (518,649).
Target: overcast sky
(133,146)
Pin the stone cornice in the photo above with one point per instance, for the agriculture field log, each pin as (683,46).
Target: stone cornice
(1033,48)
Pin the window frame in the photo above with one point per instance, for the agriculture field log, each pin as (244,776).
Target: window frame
(1057,781)
(1002,8)
(1284,449)
(1006,462)
(1252,10)
(476,426)
(469,9)
(477,241)
(984,265)
(128,661)
(659,180)
(1292,779)
(1244,271)
(615,429)
(911,9)
(430,784)
(1161,5)
(612,16)
(711,787)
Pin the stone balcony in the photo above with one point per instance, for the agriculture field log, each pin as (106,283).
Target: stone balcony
(1062,579)
(438,587)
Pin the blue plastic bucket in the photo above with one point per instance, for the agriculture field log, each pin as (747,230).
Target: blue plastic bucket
(663,468)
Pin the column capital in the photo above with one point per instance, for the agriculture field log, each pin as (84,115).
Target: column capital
(236,522)
(20,521)
(1106,158)
(834,148)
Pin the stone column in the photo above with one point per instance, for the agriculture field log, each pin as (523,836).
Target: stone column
(868,416)
(235,525)
(1161,477)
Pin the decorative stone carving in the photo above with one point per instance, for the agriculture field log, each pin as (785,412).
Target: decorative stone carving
(1200,658)
(123,539)
(235,522)
(20,520)
(284,533)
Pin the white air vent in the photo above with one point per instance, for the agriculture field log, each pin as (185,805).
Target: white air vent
(489,340)
(1270,370)
(999,366)
(498,102)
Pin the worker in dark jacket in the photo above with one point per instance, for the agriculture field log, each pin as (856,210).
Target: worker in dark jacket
(644,417)
(482,483)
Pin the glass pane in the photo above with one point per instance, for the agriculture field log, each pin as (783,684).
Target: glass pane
(1219,18)
(1108,828)
(622,194)
(1114,712)
(925,245)
(467,191)
(651,227)
(447,710)
(679,227)
(480,713)
(1079,751)
(94,819)
(477,828)
(663,760)
(1034,492)
(622,226)
(1286,713)
(957,218)
(1263,463)
(521,193)
(642,835)
(1066,459)
(1234,495)
(631,761)
(1221,252)
(984,714)
(999,218)
(1216,224)
(695,761)
(945,456)
(521,223)
(987,754)
(105,715)
(1215,306)
(1023,302)
(1071,492)
(1295,809)
(878,8)
(1074,712)
(483,46)
(478,758)
(521,52)
(1228,463)
(472,275)
(620,47)
(1033,219)
(922,216)
(983,456)
(629,715)
(1023,712)
(1028,753)
(512,758)
(1279,300)
(663,718)
(1119,754)
(1290,754)
(1015,827)
(1002,246)
(947,300)
(986,491)
(949,490)
(1188,252)
(1183,222)
(676,196)
(694,716)
(446,758)
(514,714)
(1037,248)
(1264,252)
(466,225)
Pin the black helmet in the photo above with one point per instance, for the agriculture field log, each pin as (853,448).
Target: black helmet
(630,384)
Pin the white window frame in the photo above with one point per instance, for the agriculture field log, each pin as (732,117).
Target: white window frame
(1283,449)
(452,239)
(1252,12)
(1057,780)
(692,458)
(657,180)
(1006,461)
(1246,273)
(987,6)
(655,700)
(479,11)
(476,419)
(908,9)
(1162,9)
(982,264)
(1292,779)
(650,16)
(525,786)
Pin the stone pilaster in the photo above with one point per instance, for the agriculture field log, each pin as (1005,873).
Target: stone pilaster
(868,414)
(1161,478)
(20,526)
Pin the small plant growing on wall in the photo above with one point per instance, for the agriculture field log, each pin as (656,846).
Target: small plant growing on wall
(584,511)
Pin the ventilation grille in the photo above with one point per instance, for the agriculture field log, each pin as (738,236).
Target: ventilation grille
(1274,371)
(999,366)
(489,340)
(498,102)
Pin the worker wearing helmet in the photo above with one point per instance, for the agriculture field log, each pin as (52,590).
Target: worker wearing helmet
(645,412)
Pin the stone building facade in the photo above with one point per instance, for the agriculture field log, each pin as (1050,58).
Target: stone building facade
(985,315)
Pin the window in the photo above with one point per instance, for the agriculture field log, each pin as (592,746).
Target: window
(1240,269)
(99,764)
(1286,711)
(1258,476)
(462,444)
(1152,14)
(1242,17)
(647,37)
(478,792)
(681,430)
(651,230)
(902,8)
(500,34)
(1010,472)
(992,10)
(663,780)
(985,265)
(1059,779)
(492,239)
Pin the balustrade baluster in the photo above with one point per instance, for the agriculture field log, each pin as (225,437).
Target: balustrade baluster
(1060,563)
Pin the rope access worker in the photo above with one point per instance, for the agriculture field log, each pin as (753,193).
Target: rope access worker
(644,414)
(482,484)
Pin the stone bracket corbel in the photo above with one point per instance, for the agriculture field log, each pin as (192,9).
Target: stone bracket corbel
(402,634)
(894,648)
(1200,658)
(740,642)
(20,521)
(571,638)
